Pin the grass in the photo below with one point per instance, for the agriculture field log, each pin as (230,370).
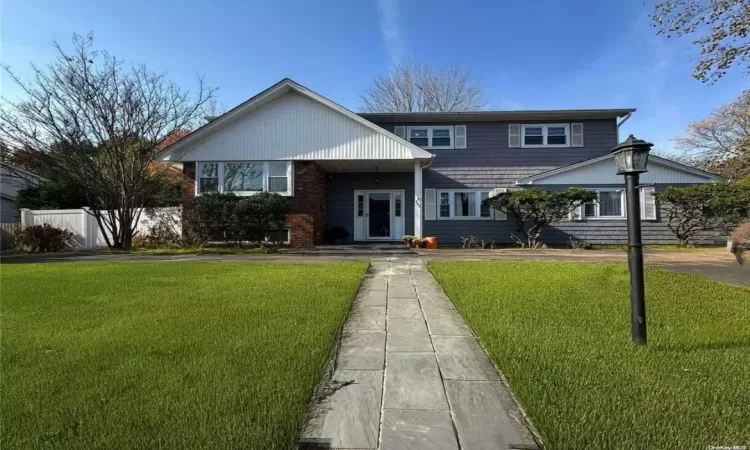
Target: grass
(197,251)
(560,332)
(166,355)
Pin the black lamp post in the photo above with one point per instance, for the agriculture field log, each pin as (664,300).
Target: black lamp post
(631,157)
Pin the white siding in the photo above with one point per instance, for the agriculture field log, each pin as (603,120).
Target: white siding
(605,172)
(295,127)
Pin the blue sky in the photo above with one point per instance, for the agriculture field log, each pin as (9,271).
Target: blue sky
(528,55)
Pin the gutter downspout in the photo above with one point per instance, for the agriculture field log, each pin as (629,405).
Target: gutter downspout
(619,124)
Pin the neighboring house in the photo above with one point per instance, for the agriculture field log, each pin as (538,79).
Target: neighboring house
(13,179)
(384,175)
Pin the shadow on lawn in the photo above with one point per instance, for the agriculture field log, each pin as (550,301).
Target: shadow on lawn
(688,348)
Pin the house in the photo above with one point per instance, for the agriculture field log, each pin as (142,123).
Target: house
(13,179)
(384,175)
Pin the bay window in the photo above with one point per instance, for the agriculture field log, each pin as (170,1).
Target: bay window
(463,204)
(244,177)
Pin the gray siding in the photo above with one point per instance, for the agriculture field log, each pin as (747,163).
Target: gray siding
(600,232)
(7,211)
(341,187)
(487,161)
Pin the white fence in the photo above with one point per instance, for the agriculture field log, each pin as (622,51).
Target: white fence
(85,229)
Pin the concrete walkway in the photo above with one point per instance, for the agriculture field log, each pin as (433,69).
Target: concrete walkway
(410,374)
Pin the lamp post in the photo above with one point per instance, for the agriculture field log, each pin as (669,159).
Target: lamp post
(631,157)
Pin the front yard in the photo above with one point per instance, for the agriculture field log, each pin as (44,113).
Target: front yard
(166,355)
(560,332)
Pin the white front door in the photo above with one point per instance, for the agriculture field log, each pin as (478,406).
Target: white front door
(378,215)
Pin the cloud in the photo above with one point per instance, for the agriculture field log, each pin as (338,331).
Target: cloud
(389,28)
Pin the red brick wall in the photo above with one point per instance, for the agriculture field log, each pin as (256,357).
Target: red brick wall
(188,180)
(306,220)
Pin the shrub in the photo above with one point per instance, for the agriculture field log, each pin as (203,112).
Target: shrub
(534,209)
(43,238)
(741,242)
(233,220)
(692,210)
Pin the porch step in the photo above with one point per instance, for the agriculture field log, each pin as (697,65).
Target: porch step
(358,250)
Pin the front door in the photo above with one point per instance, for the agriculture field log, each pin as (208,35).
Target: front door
(378,215)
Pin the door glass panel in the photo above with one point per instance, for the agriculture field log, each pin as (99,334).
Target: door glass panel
(379,220)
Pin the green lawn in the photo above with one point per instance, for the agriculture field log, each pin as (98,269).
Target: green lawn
(165,355)
(560,332)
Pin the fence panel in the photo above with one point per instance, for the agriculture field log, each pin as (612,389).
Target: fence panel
(86,233)
(8,232)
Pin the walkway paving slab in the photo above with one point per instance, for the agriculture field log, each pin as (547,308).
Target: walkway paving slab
(349,414)
(401,292)
(375,284)
(413,382)
(462,358)
(366,318)
(362,349)
(404,308)
(372,298)
(408,335)
(399,280)
(446,322)
(417,430)
(486,416)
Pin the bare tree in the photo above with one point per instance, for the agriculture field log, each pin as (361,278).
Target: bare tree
(100,123)
(721,29)
(411,87)
(721,143)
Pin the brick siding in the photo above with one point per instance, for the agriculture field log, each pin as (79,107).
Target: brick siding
(306,220)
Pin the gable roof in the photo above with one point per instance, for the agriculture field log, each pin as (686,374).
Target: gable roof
(653,159)
(277,91)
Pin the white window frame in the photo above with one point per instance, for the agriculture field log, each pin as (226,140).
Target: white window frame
(266,172)
(623,206)
(451,131)
(545,127)
(452,200)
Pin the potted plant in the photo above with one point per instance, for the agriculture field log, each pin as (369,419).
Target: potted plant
(419,242)
(408,239)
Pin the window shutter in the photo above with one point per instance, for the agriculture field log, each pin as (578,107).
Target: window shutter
(499,215)
(430,208)
(460,136)
(400,131)
(576,213)
(577,135)
(514,135)
(648,204)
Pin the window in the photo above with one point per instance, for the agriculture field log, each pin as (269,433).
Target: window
(464,204)
(546,135)
(432,137)
(397,205)
(484,210)
(445,204)
(360,205)
(244,177)
(611,204)
(277,177)
(209,178)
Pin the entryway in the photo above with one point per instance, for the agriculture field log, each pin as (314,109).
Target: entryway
(378,215)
